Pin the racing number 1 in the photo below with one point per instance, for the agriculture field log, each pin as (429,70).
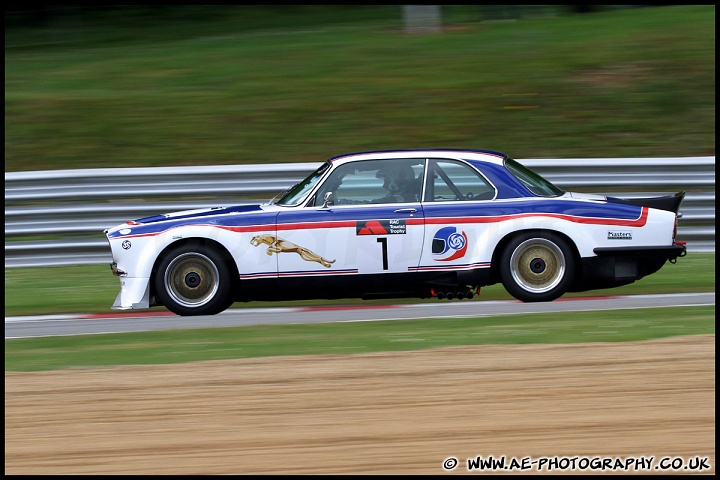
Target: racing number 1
(383,241)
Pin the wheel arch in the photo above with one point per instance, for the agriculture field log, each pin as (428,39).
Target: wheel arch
(201,242)
(495,261)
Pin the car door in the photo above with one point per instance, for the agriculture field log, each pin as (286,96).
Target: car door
(364,234)
(456,202)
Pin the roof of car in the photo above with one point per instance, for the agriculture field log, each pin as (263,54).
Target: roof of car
(482,155)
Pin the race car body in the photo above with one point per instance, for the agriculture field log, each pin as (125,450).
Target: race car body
(408,223)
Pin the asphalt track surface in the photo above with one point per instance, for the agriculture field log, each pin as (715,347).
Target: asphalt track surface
(156,320)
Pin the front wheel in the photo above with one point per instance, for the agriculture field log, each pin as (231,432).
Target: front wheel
(193,280)
(537,267)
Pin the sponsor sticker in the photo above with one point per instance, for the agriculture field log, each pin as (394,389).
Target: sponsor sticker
(126,244)
(616,235)
(381,227)
(449,244)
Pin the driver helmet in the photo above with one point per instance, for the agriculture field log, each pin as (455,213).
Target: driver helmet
(396,177)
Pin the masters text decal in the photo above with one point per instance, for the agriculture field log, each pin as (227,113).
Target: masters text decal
(619,235)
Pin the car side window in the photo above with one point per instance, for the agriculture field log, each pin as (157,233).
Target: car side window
(375,182)
(455,181)
(358,186)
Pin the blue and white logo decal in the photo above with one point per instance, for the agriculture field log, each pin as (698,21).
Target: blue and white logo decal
(449,244)
(126,244)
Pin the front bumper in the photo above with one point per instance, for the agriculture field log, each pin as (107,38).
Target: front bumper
(134,294)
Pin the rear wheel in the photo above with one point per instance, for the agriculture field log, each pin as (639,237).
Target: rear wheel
(194,280)
(537,267)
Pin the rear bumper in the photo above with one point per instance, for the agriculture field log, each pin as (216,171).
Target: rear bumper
(616,266)
(666,253)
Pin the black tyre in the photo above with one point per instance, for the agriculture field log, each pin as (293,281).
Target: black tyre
(194,280)
(537,267)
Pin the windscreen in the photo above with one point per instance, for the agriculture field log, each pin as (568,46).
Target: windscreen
(297,192)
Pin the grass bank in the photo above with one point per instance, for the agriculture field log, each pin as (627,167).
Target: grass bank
(240,85)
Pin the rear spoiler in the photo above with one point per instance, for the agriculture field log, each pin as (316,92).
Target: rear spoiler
(671,203)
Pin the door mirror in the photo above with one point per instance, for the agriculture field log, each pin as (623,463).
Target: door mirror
(328,200)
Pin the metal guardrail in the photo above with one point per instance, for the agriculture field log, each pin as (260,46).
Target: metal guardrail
(73,207)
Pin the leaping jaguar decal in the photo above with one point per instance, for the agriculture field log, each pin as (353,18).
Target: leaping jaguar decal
(278,245)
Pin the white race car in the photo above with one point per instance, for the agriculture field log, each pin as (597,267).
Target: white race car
(392,224)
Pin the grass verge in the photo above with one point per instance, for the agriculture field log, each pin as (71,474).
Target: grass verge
(178,346)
